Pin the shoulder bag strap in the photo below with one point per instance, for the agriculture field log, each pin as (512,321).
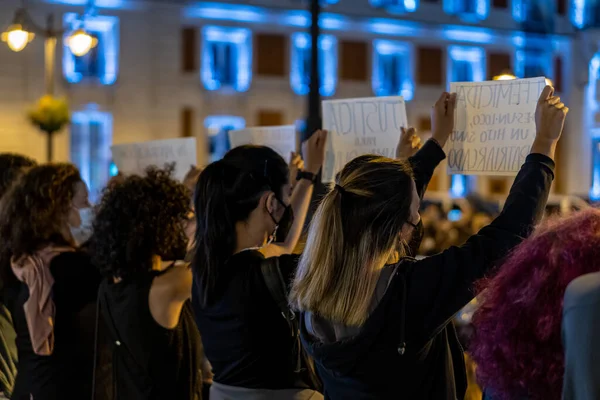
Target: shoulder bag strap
(276,285)
(118,344)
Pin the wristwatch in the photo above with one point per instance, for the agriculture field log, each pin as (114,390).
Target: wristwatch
(309,176)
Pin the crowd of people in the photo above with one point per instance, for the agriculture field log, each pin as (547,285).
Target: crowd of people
(211,288)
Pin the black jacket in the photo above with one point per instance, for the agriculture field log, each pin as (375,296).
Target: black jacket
(408,348)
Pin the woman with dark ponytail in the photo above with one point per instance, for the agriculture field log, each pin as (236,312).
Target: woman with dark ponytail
(248,218)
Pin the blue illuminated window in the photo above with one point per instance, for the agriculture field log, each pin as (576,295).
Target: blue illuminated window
(217,128)
(578,13)
(468,9)
(301,58)
(459,186)
(226,58)
(91,138)
(397,5)
(595,189)
(585,14)
(101,63)
(531,63)
(465,64)
(392,69)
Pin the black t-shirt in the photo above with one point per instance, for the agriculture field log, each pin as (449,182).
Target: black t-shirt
(67,372)
(245,336)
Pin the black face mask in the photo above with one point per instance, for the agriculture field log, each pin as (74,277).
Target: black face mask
(417,237)
(284,224)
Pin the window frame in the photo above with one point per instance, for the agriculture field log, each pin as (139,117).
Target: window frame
(476,56)
(383,47)
(241,38)
(454,7)
(84,118)
(217,123)
(544,57)
(328,61)
(102,25)
(401,6)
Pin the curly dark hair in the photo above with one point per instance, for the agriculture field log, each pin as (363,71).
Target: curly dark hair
(33,212)
(137,218)
(11,165)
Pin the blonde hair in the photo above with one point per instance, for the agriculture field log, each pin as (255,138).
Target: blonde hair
(354,231)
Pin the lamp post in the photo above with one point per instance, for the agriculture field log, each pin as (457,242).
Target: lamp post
(313,120)
(23,30)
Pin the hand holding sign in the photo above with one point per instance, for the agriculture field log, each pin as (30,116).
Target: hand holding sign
(550,117)
(409,143)
(314,150)
(296,164)
(442,117)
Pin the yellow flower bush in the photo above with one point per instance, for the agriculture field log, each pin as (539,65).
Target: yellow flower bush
(50,114)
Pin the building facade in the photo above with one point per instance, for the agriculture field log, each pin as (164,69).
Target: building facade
(166,69)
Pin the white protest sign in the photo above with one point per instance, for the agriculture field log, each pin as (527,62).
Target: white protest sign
(494,126)
(282,139)
(361,126)
(134,158)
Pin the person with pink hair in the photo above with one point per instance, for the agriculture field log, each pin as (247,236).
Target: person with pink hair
(517,342)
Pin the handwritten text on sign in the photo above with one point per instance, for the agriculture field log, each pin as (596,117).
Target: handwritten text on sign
(361,126)
(134,158)
(282,139)
(494,126)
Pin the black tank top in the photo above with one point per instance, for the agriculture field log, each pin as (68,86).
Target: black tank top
(150,361)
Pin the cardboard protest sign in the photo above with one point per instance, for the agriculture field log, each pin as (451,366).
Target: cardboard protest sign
(282,139)
(494,126)
(361,126)
(134,158)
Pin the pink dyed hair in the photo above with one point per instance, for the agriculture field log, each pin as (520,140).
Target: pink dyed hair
(517,342)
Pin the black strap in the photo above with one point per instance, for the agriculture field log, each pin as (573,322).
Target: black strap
(95,347)
(276,285)
(277,288)
(401,274)
(118,345)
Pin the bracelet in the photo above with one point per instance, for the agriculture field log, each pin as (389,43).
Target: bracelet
(434,140)
(309,176)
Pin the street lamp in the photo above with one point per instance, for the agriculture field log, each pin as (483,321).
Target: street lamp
(23,30)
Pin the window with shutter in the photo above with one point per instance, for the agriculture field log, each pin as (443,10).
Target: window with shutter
(497,64)
(270,54)
(189,49)
(353,61)
(429,63)
(269,118)
(558,74)
(187,122)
